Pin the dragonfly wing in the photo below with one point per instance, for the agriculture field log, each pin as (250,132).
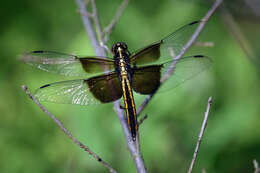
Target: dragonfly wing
(95,90)
(146,55)
(68,65)
(147,79)
(159,51)
(185,69)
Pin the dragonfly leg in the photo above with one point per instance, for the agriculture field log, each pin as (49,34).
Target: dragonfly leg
(122,107)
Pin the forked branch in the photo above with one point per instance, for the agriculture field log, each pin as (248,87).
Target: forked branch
(89,28)
(107,31)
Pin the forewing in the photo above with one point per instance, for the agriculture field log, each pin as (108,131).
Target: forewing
(100,89)
(146,55)
(159,51)
(68,65)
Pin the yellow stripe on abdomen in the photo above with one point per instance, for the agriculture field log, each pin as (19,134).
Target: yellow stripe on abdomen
(129,106)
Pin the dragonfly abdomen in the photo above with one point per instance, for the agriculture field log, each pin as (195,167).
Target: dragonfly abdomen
(129,106)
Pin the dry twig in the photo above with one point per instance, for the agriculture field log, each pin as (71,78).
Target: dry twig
(200,135)
(89,28)
(237,34)
(257,169)
(97,23)
(142,119)
(185,48)
(77,142)
(107,31)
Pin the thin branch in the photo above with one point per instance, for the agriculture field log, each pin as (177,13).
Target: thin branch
(237,34)
(254,5)
(96,20)
(143,105)
(77,142)
(89,29)
(107,31)
(200,135)
(87,3)
(102,44)
(142,119)
(193,38)
(88,14)
(257,169)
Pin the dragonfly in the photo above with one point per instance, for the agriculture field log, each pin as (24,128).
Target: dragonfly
(108,79)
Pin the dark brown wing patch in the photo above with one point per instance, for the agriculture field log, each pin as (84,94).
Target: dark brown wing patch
(105,88)
(146,55)
(94,65)
(146,80)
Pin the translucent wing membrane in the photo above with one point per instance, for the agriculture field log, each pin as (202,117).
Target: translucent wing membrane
(99,89)
(159,51)
(68,65)
(186,68)
(67,92)
(146,79)
(177,40)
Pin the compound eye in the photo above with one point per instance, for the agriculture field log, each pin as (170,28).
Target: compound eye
(114,48)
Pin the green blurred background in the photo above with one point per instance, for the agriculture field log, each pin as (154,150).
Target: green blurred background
(31,142)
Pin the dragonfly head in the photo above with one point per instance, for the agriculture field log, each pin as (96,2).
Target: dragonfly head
(119,46)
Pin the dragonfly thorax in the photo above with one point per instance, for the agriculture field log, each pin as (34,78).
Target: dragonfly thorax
(119,46)
(121,59)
